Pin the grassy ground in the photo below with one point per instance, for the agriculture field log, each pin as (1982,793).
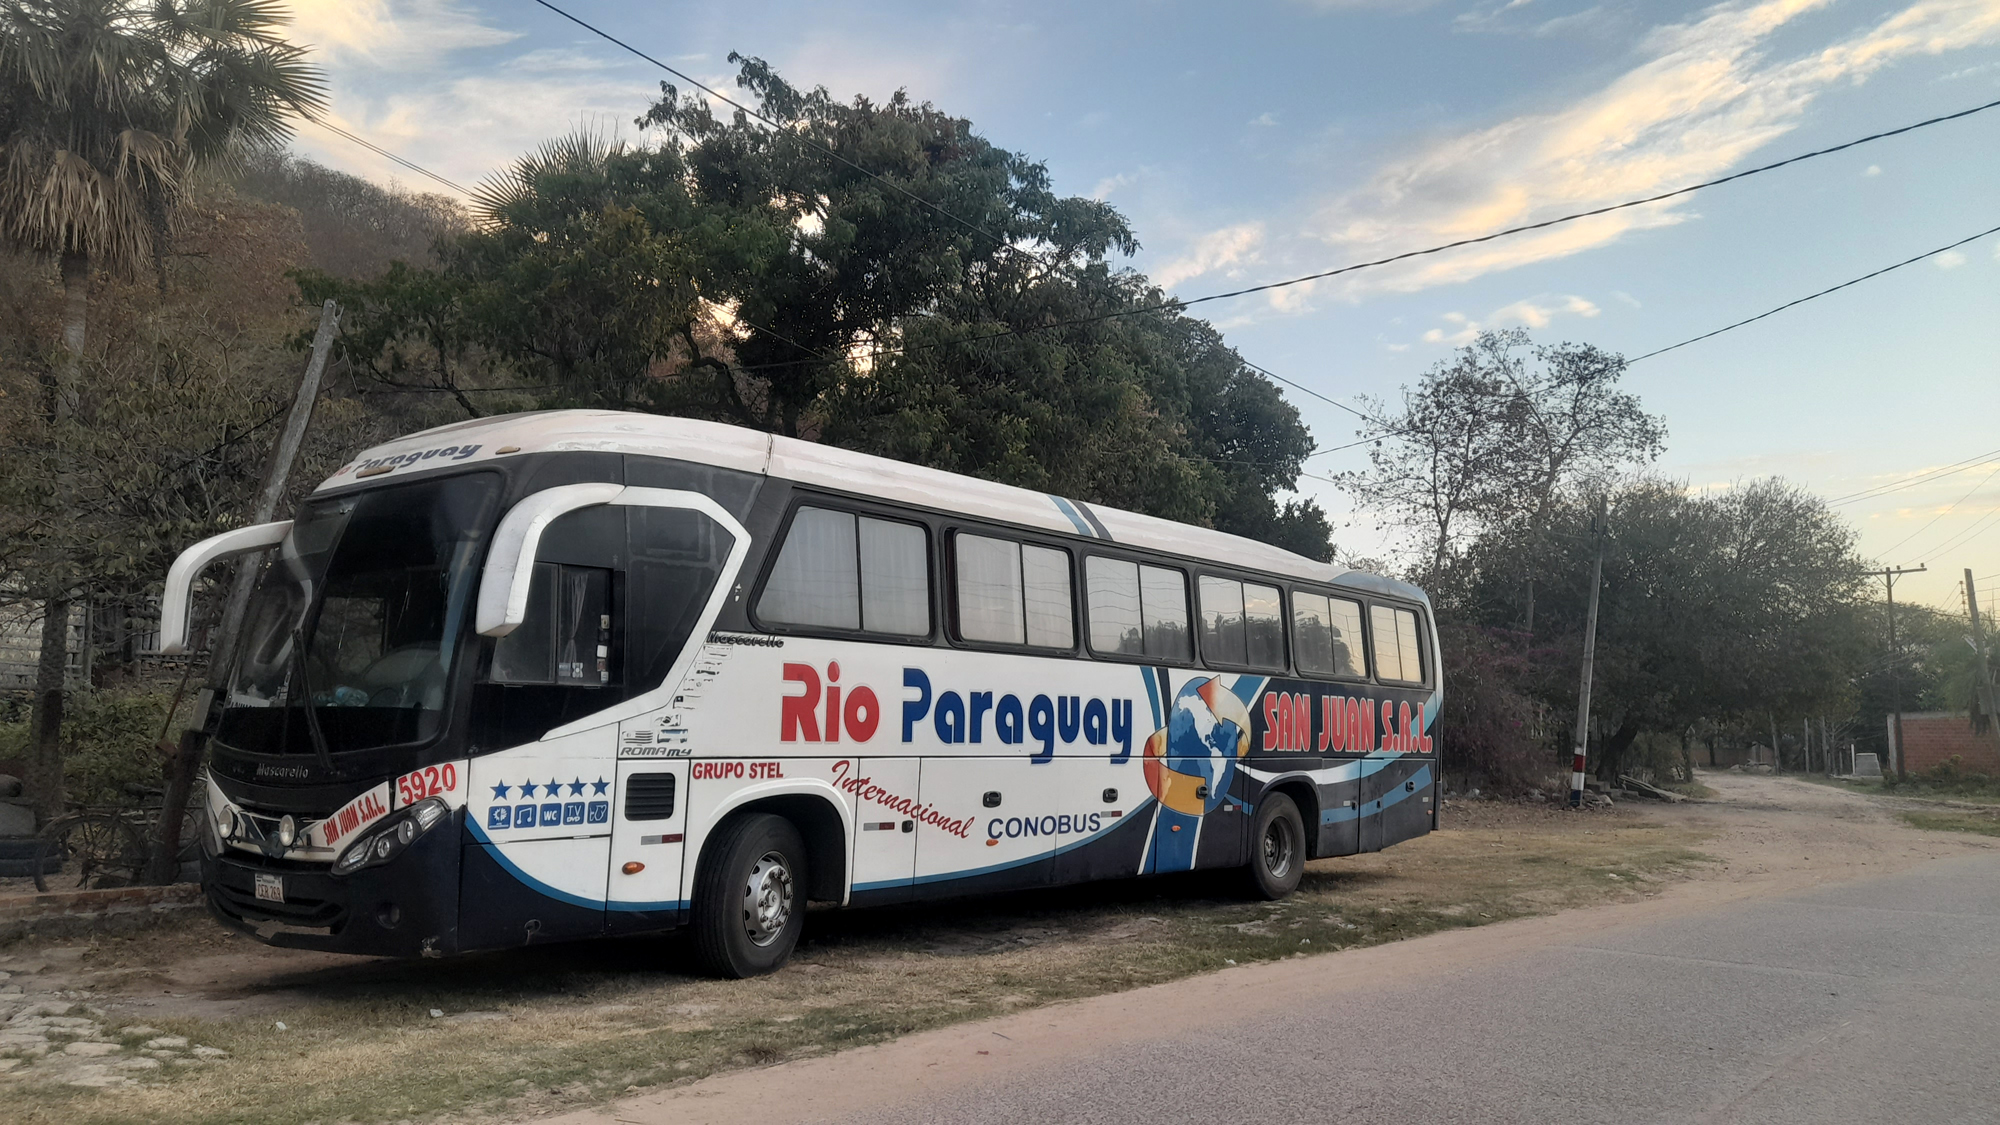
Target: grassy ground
(538,1029)
(1973,789)
(1956,820)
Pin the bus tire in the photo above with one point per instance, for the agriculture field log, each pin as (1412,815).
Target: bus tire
(1277,848)
(750,896)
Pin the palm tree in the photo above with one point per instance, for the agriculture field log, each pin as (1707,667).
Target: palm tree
(106,108)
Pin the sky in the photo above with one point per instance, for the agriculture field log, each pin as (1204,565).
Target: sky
(1264,139)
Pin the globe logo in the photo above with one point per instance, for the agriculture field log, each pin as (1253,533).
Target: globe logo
(1208,729)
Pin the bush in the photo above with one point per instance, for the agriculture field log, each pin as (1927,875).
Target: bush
(1491,729)
(108,739)
(1948,777)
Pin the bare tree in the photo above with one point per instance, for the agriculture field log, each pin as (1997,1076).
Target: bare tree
(1494,436)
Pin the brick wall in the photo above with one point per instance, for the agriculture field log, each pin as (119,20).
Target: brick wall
(1932,738)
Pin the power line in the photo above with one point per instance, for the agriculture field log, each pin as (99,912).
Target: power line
(1943,514)
(1926,477)
(1182,303)
(1978,528)
(386,154)
(1816,296)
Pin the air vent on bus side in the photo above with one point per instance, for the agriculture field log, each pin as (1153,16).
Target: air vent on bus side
(649,796)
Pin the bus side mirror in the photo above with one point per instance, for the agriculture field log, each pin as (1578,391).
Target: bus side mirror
(510,564)
(180,577)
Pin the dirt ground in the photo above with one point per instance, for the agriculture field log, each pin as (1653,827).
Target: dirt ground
(1770,836)
(192,1023)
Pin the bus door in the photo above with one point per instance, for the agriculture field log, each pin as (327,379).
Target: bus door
(648,833)
(886,828)
(997,825)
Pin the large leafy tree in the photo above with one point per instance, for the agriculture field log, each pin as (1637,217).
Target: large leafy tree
(107,107)
(920,293)
(1731,608)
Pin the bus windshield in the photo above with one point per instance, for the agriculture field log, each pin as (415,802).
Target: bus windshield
(364,610)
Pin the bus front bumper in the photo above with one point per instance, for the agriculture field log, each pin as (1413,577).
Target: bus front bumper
(407,907)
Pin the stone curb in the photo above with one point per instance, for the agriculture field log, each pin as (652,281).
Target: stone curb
(117,910)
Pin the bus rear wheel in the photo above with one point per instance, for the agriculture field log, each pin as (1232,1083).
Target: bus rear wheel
(750,897)
(1277,848)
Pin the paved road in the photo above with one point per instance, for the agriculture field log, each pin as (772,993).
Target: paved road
(1871,1001)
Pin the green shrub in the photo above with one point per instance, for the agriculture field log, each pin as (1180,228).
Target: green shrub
(107,739)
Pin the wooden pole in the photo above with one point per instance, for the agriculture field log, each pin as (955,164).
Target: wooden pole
(162,866)
(1589,658)
(1983,689)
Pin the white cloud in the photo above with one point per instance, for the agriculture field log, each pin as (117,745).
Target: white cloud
(1538,312)
(1264,120)
(557,60)
(1872,170)
(390,33)
(1395,6)
(1950,260)
(1627,298)
(1227,249)
(1707,96)
(1109,184)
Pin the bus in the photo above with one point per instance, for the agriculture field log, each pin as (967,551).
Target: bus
(572,674)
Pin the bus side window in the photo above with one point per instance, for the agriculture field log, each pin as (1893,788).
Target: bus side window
(837,570)
(1264,622)
(566,637)
(1322,629)
(1222,621)
(1398,655)
(1012,593)
(1137,610)
(677,555)
(1242,624)
(1163,601)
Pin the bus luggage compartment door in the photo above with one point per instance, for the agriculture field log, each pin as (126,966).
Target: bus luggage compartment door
(885,837)
(998,829)
(1395,803)
(648,832)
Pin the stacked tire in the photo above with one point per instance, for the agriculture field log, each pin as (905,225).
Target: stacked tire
(17,857)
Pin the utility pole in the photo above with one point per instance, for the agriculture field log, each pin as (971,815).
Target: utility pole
(1597,525)
(1889,576)
(1983,693)
(161,863)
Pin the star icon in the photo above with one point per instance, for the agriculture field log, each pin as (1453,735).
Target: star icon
(598,787)
(576,787)
(527,789)
(552,789)
(500,791)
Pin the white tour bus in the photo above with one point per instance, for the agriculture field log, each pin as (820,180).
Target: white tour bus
(577,673)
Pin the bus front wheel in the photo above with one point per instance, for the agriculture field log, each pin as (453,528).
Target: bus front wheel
(750,896)
(1277,848)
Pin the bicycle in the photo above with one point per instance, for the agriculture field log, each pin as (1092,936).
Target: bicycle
(105,846)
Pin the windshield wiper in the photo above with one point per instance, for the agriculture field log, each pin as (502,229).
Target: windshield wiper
(312,714)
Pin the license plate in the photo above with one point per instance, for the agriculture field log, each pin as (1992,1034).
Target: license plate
(271,888)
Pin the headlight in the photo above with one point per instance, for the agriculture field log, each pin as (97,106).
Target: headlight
(288,830)
(388,840)
(212,831)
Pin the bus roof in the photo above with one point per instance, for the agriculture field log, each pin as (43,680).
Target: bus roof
(840,470)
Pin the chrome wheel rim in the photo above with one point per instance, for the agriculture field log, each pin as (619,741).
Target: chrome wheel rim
(1277,850)
(767,899)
